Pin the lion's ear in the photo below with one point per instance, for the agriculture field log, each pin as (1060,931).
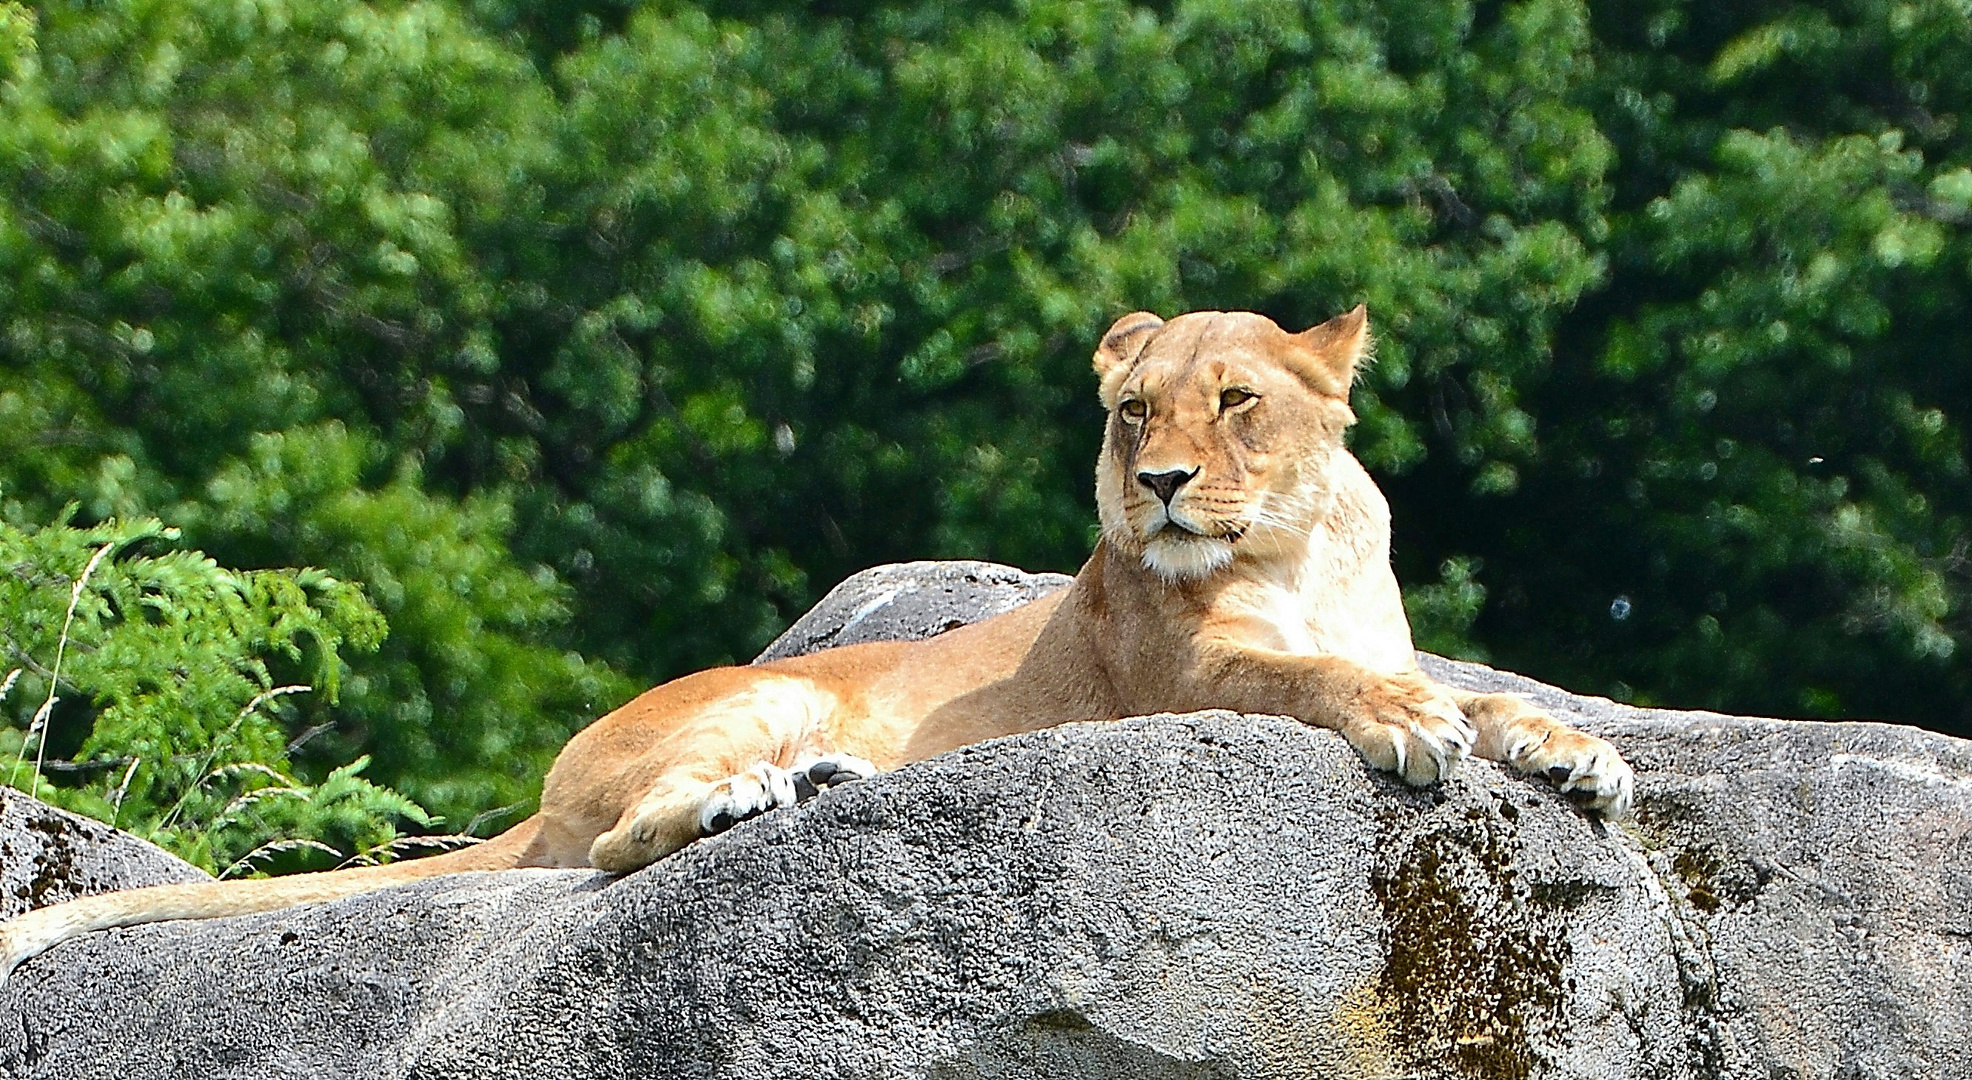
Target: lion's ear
(1119,349)
(1331,351)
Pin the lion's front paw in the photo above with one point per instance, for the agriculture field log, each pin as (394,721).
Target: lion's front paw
(1407,725)
(1584,766)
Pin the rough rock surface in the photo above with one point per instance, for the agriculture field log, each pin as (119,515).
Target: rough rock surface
(1195,896)
(910,601)
(49,855)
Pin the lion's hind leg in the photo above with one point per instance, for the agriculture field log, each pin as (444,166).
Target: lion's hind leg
(766,786)
(735,758)
(661,822)
(679,809)
(1513,731)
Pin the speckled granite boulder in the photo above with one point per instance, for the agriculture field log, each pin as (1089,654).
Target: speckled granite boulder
(1195,896)
(49,855)
(1820,878)
(909,602)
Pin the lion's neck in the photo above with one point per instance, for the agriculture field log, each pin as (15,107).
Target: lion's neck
(1343,587)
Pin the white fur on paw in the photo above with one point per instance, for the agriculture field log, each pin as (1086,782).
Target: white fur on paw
(1608,783)
(748,795)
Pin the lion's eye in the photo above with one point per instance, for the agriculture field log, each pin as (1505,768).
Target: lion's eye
(1134,409)
(1234,398)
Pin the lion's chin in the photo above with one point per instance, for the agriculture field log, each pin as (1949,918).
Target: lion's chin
(1183,556)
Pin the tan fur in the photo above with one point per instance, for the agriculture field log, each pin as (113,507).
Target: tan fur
(1264,586)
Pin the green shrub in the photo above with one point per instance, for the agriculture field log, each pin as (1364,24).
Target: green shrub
(152,688)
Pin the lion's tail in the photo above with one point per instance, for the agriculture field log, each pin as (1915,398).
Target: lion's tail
(32,933)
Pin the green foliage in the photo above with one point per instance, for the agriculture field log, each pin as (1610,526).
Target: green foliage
(462,701)
(594,341)
(162,681)
(239,283)
(1441,615)
(1755,433)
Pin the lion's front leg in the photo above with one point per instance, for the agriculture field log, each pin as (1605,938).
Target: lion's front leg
(1402,723)
(1514,731)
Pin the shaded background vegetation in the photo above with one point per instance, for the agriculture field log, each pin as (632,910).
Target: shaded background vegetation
(596,340)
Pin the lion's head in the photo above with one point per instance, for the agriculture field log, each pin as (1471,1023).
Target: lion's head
(1222,427)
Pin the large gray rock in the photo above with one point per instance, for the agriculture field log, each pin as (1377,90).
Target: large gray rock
(910,602)
(49,855)
(1195,896)
(1820,876)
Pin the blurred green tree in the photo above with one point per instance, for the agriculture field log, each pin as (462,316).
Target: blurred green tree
(237,282)
(1752,492)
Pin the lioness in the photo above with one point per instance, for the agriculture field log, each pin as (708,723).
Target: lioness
(1244,564)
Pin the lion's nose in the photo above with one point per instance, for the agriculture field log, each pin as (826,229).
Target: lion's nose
(1166,484)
